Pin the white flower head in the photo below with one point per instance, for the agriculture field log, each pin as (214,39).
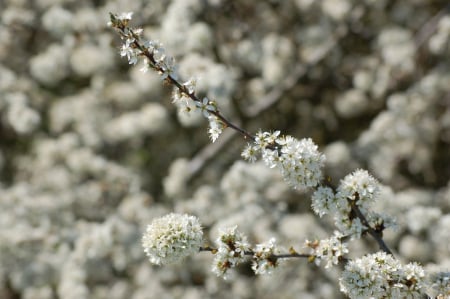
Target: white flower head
(206,106)
(215,127)
(129,51)
(125,16)
(329,250)
(120,19)
(250,153)
(264,261)
(190,85)
(380,275)
(171,238)
(266,139)
(440,284)
(349,226)
(300,162)
(323,201)
(359,186)
(231,248)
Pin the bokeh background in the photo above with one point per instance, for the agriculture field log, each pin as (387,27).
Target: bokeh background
(91,149)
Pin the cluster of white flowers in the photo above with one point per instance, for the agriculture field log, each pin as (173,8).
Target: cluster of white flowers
(440,284)
(232,246)
(330,250)
(357,190)
(324,201)
(299,161)
(174,237)
(171,238)
(380,275)
(264,261)
(152,52)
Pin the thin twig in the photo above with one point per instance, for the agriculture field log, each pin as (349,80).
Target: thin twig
(376,235)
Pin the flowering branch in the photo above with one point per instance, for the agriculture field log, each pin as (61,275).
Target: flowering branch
(155,58)
(174,236)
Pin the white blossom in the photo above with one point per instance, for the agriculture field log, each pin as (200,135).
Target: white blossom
(215,127)
(349,226)
(250,153)
(359,186)
(329,250)
(129,51)
(299,161)
(232,246)
(206,106)
(440,284)
(125,16)
(380,275)
(323,201)
(190,85)
(171,238)
(264,261)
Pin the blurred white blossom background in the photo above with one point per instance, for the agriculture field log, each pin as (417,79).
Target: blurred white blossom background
(91,149)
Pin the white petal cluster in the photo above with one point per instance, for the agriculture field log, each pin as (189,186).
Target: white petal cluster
(215,127)
(134,48)
(380,275)
(264,261)
(358,189)
(231,248)
(299,161)
(329,250)
(359,186)
(324,201)
(440,284)
(171,238)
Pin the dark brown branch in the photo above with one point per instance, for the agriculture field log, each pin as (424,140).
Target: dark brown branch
(372,232)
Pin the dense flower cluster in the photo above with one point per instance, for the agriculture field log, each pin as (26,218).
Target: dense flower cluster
(231,248)
(264,261)
(172,238)
(380,275)
(299,161)
(330,250)
(440,284)
(324,201)
(355,193)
